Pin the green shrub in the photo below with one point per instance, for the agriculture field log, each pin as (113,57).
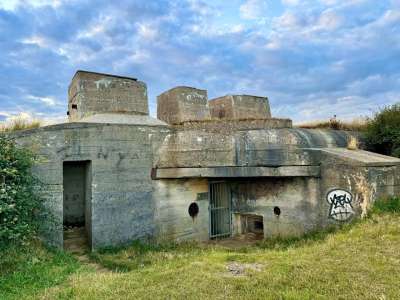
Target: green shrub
(20,206)
(382,132)
(388,205)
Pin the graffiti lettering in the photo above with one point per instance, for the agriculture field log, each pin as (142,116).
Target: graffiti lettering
(341,208)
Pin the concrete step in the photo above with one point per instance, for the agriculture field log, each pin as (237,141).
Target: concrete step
(75,240)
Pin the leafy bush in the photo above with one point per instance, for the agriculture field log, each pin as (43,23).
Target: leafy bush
(383,131)
(19,204)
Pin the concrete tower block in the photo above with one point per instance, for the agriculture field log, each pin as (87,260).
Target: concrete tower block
(95,93)
(239,107)
(182,104)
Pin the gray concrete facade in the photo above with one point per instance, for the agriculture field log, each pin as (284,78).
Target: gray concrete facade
(151,179)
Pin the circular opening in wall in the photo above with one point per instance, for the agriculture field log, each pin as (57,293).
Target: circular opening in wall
(277,211)
(193,209)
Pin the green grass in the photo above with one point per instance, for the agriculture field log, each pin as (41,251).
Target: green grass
(388,205)
(26,270)
(358,261)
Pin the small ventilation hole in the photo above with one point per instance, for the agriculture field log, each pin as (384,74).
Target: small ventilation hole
(193,209)
(277,211)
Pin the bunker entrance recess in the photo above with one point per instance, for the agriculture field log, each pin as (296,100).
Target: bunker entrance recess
(77,200)
(252,224)
(220,210)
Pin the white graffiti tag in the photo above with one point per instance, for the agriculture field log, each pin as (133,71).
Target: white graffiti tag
(340,201)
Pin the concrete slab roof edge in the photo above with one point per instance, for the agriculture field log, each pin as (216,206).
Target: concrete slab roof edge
(239,171)
(238,95)
(182,87)
(73,125)
(103,74)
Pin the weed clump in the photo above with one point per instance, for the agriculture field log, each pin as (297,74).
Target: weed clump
(386,205)
(19,123)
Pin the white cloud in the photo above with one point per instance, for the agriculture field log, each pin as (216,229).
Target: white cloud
(328,21)
(140,56)
(49,101)
(37,40)
(147,31)
(290,2)
(13,4)
(288,21)
(253,9)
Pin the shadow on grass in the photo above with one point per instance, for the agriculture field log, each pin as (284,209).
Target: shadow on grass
(140,254)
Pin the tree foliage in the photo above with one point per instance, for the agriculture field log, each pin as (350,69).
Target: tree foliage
(383,131)
(20,206)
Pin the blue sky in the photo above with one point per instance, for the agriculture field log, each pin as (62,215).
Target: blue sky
(313,59)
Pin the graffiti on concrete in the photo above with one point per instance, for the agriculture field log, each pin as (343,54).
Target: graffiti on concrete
(341,208)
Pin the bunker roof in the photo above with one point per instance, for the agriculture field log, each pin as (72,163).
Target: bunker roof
(103,74)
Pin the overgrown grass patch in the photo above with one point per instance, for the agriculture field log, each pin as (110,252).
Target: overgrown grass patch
(27,270)
(387,205)
(19,123)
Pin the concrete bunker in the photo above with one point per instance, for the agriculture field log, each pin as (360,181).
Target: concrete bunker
(205,169)
(77,201)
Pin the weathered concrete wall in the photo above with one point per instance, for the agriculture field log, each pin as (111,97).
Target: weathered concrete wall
(121,158)
(230,126)
(172,199)
(365,176)
(264,147)
(240,107)
(91,93)
(297,198)
(182,104)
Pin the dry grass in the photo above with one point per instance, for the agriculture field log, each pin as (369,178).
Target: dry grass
(19,123)
(358,124)
(353,143)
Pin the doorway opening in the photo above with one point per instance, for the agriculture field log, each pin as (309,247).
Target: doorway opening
(77,205)
(220,210)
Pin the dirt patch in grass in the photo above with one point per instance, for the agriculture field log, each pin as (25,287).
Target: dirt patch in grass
(239,269)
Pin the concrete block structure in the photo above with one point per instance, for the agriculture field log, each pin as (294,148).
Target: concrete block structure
(183,104)
(92,93)
(194,175)
(240,107)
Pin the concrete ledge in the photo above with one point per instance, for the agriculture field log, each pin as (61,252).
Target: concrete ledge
(226,125)
(286,171)
(357,158)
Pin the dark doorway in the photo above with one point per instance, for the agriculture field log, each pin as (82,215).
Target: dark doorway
(76,204)
(220,210)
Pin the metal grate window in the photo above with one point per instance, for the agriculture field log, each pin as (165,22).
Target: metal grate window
(220,210)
